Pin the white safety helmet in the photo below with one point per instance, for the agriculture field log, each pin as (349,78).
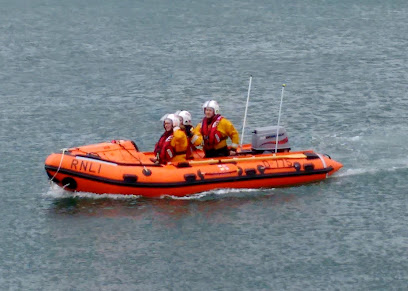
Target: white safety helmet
(185,117)
(174,119)
(212,104)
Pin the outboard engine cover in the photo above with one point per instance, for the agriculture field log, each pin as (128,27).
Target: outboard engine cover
(264,139)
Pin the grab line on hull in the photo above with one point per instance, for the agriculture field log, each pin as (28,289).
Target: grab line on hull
(213,161)
(195,183)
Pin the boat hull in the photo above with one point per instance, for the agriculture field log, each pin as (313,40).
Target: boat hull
(121,169)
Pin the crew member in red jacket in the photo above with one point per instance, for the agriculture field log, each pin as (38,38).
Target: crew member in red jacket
(172,145)
(214,131)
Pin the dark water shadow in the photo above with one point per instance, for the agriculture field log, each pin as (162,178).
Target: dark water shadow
(170,207)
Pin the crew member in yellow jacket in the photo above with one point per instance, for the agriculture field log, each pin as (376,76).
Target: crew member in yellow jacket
(172,145)
(214,131)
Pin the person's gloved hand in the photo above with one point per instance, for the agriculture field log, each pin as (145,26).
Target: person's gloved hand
(189,131)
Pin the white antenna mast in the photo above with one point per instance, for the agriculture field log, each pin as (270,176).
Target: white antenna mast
(277,129)
(246,110)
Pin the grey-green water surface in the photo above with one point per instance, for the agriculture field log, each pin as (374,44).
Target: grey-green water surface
(81,72)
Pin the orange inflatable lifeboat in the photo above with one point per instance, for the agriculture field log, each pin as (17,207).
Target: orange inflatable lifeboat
(118,167)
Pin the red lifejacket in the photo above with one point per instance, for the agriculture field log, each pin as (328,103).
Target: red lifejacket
(210,133)
(163,150)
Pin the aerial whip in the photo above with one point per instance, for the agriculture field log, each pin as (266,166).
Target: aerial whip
(277,129)
(246,110)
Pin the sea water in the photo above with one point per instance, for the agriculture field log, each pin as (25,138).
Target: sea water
(81,72)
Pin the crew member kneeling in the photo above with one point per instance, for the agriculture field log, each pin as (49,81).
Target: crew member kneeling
(187,127)
(214,131)
(172,145)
